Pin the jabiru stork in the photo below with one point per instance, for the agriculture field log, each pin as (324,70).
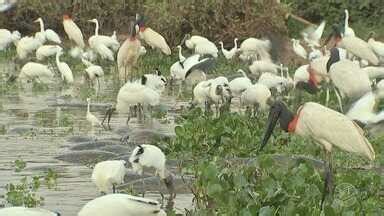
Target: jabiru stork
(325,126)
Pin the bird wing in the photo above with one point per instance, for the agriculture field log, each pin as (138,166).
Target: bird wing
(203,65)
(359,48)
(52,36)
(314,121)
(74,32)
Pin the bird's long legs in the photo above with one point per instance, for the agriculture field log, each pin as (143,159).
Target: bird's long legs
(327,97)
(143,185)
(339,100)
(113,188)
(328,177)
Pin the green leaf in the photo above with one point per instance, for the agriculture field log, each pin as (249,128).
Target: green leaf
(214,189)
(266,211)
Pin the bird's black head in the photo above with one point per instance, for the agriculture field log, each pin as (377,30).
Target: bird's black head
(140,20)
(335,57)
(157,72)
(143,80)
(140,151)
(278,111)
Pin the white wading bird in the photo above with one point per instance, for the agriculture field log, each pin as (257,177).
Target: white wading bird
(313,35)
(256,97)
(90,117)
(64,69)
(376,46)
(325,126)
(239,84)
(229,54)
(152,38)
(255,49)
(121,205)
(36,71)
(73,31)
(192,41)
(93,71)
(7,38)
(298,49)
(47,51)
(108,174)
(101,44)
(23,211)
(348,31)
(49,34)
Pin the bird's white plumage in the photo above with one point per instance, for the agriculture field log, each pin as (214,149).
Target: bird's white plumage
(240,84)
(206,48)
(359,48)
(93,71)
(274,81)
(377,47)
(348,31)
(314,121)
(151,156)
(127,56)
(229,54)
(90,117)
(201,92)
(257,94)
(64,69)
(313,35)
(7,38)
(46,51)
(374,72)
(181,57)
(23,211)
(256,48)
(301,74)
(121,205)
(155,40)
(32,70)
(155,82)
(262,66)
(194,40)
(73,31)
(349,79)
(27,45)
(298,49)
(108,173)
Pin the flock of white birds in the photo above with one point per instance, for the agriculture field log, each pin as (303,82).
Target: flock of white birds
(350,68)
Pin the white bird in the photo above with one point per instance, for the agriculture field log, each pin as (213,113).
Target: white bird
(298,49)
(231,53)
(325,126)
(121,205)
(348,31)
(64,69)
(314,54)
(23,211)
(374,72)
(201,92)
(218,92)
(263,66)
(90,117)
(46,51)
(101,44)
(181,57)
(274,81)
(27,45)
(128,54)
(93,71)
(73,31)
(108,174)
(256,48)
(179,69)
(192,41)
(49,34)
(206,48)
(347,76)
(364,110)
(115,44)
(240,84)
(149,156)
(152,38)
(142,51)
(36,71)
(155,81)
(301,75)
(256,96)
(7,38)
(89,55)
(313,35)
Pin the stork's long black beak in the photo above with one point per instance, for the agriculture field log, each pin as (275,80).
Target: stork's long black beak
(273,116)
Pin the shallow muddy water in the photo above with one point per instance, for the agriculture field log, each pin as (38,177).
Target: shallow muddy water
(49,130)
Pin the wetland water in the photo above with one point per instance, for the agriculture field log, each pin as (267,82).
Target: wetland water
(47,129)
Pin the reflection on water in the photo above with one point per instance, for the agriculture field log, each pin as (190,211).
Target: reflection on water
(36,123)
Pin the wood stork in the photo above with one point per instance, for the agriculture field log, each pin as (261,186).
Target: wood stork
(376,46)
(121,205)
(298,49)
(46,51)
(150,156)
(7,38)
(133,94)
(49,34)
(108,174)
(354,45)
(206,48)
(152,38)
(325,126)
(155,81)
(229,54)
(256,97)
(181,57)
(240,84)
(36,71)
(64,69)
(263,66)
(219,93)
(23,211)
(347,76)
(313,35)
(128,54)
(348,31)
(90,117)
(73,31)
(192,41)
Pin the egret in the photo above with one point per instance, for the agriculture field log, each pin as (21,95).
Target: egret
(348,31)
(128,54)
(47,51)
(256,48)
(313,35)
(206,48)
(23,211)
(181,57)
(364,110)
(201,93)
(7,38)
(93,71)
(240,84)
(108,174)
(27,45)
(325,126)
(298,49)
(256,96)
(64,69)
(49,34)
(73,31)
(262,66)
(121,205)
(376,46)
(274,81)
(192,41)
(102,44)
(152,38)
(36,71)
(229,54)
(150,156)
(90,117)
